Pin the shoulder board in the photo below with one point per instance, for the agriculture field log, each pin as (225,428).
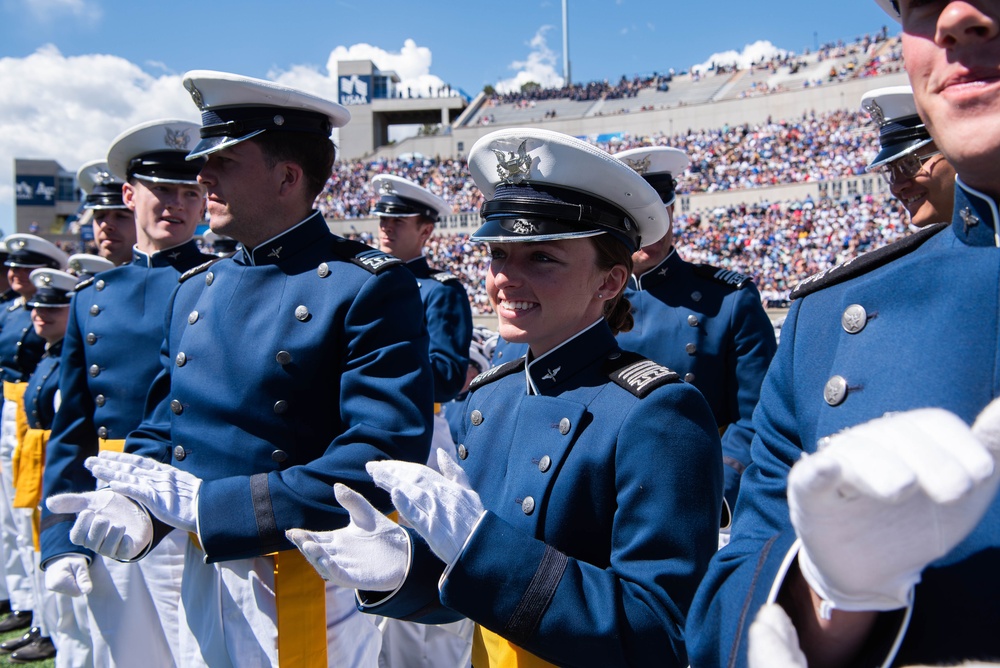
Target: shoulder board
(866,262)
(637,374)
(199,269)
(444,277)
(84,283)
(734,279)
(496,372)
(364,256)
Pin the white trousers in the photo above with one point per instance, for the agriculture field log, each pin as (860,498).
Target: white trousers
(229,617)
(71,634)
(134,608)
(17,563)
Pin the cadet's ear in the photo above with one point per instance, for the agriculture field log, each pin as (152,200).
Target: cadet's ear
(292,177)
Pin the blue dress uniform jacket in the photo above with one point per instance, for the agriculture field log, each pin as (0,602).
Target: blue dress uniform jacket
(918,330)
(111,354)
(602,508)
(285,370)
(708,325)
(449,327)
(20,347)
(40,395)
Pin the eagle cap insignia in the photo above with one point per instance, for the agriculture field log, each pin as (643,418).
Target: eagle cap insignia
(195,94)
(386,188)
(176,139)
(103,177)
(46,279)
(523,227)
(875,111)
(513,167)
(639,166)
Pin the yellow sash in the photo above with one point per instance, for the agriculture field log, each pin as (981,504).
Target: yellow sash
(28,468)
(113,445)
(300,601)
(301,604)
(15,392)
(491,651)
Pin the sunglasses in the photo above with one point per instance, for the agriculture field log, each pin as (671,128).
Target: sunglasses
(905,168)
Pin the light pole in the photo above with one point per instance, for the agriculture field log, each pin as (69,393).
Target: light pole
(565,31)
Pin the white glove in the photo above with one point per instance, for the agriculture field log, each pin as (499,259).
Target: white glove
(372,552)
(168,492)
(106,522)
(442,507)
(884,499)
(69,574)
(773,640)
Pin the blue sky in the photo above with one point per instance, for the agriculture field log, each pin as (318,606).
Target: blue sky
(74,73)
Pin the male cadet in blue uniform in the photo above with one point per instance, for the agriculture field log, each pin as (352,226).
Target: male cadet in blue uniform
(111,354)
(407,215)
(908,159)
(880,536)
(705,323)
(286,368)
(20,350)
(113,222)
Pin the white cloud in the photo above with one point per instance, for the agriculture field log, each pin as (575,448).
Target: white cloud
(751,53)
(69,109)
(539,67)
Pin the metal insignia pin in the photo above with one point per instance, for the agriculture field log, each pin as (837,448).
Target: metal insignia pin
(640,166)
(195,95)
(552,373)
(969,219)
(176,139)
(875,111)
(275,252)
(513,167)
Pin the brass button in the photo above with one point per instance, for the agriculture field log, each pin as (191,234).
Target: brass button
(463,452)
(689,377)
(192,317)
(854,318)
(323,270)
(179,453)
(100,284)
(279,456)
(100,400)
(283,357)
(693,320)
(91,338)
(690,349)
(564,426)
(544,464)
(95,371)
(477,418)
(102,432)
(301,313)
(280,406)
(177,407)
(528,505)
(95,309)
(835,391)
(209,278)
(181,359)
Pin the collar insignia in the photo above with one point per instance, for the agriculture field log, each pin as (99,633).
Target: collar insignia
(663,272)
(513,167)
(640,166)
(275,252)
(969,219)
(177,139)
(552,373)
(174,255)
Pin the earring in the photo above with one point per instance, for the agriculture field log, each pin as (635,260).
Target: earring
(600,295)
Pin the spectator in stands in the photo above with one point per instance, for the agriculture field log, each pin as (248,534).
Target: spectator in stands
(916,171)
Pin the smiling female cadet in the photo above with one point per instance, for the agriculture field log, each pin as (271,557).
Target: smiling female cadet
(584,504)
